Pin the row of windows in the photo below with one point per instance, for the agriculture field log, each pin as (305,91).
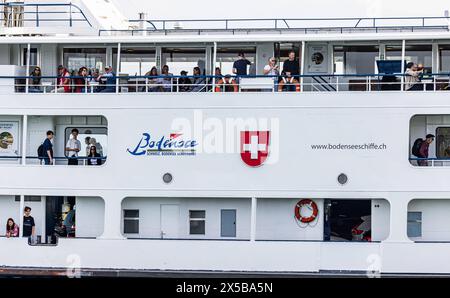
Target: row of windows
(197,222)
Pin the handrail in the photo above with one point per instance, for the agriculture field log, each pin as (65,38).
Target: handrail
(37,12)
(340,24)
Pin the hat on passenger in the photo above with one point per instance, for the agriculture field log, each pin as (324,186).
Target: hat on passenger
(183,72)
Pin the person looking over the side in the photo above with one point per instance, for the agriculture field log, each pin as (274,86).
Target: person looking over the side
(29,227)
(110,80)
(48,148)
(240,66)
(291,72)
(412,77)
(422,152)
(63,81)
(12,229)
(73,146)
(35,80)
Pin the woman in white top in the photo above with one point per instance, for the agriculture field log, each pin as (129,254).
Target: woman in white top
(272,69)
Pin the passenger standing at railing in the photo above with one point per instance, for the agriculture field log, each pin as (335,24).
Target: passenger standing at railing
(167,79)
(12,229)
(199,82)
(240,66)
(423,151)
(73,146)
(63,81)
(81,81)
(94,158)
(273,70)
(291,73)
(29,227)
(412,77)
(35,80)
(154,83)
(48,148)
(184,83)
(110,80)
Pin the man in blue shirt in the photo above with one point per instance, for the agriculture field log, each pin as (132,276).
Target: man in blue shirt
(109,77)
(48,148)
(240,65)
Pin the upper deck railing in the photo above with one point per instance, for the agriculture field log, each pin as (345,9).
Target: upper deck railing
(36,14)
(220,84)
(298,25)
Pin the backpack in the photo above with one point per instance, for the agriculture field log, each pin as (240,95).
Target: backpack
(40,151)
(416,147)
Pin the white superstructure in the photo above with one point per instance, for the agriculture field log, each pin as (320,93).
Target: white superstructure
(214,180)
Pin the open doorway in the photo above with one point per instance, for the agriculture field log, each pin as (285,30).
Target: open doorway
(348,220)
(60,216)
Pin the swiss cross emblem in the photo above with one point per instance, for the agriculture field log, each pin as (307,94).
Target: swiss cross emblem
(255,147)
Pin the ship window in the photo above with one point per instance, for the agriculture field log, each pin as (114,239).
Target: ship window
(420,54)
(197,222)
(355,59)
(443,142)
(444,58)
(179,59)
(33,57)
(131,221)
(87,136)
(28,198)
(135,61)
(92,58)
(414,224)
(227,56)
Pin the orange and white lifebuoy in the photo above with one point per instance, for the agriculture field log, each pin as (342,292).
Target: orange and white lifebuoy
(284,82)
(303,203)
(221,85)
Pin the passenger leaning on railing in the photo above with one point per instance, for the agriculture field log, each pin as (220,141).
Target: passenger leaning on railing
(154,83)
(199,82)
(108,78)
(272,69)
(35,80)
(12,229)
(63,80)
(81,80)
(412,77)
(167,79)
(184,83)
(290,74)
(94,158)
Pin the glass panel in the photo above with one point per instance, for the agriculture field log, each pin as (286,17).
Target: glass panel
(131,213)
(197,227)
(355,59)
(414,224)
(443,142)
(197,214)
(227,56)
(420,54)
(88,136)
(94,58)
(135,61)
(33,57)
(131,226)
(444,58)
(179,59)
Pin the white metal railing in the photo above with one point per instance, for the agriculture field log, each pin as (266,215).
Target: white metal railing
(215,84)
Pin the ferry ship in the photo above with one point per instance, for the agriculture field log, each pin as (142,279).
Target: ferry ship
(309,173)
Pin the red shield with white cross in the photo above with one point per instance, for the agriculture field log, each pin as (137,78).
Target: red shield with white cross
(255,147)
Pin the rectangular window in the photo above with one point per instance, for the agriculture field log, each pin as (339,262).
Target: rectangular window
(355,59)
(33,57)
(443,142)
(135,61)
(75,58)
(197,221)
(131,221)
(179,59)
(414,224)
(28,199)
(444,58)
(227,56)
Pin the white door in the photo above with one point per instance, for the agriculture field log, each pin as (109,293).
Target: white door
(169,221)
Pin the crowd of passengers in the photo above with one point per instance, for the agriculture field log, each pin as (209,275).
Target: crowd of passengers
(93,81)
